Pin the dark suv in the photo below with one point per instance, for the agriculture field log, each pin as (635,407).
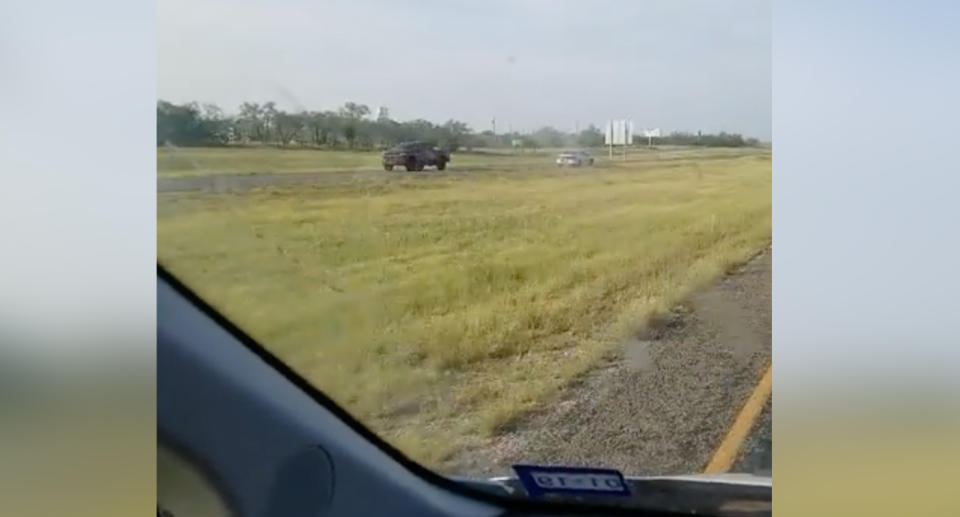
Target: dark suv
(415,156)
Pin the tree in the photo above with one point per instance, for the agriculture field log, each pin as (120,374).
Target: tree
(317,125)
(528,142)
(590,137)
(287,127)
(250,123)
(186,125)
(350,133)
(354,111)
(216,127)
(422,130)
(453,134)
(173,122)
(383,132)
(487,138)
(333,127)
(268,115)
(192,124)
(548,137)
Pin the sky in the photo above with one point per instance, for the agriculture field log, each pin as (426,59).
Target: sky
(678,65)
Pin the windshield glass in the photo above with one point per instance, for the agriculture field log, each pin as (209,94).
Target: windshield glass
(487,304)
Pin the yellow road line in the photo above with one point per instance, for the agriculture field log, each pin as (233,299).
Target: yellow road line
(726,453)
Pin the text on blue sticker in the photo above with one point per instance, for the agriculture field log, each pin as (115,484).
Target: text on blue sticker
(541,480)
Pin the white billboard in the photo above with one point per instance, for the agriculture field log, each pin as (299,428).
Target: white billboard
(619,132)
(651,133)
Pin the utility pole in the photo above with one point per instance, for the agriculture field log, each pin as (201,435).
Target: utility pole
(494,124)
(610,138)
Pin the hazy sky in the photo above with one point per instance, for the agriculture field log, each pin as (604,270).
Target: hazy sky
(673,64)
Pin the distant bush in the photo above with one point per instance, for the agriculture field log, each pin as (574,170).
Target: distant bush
(721,139)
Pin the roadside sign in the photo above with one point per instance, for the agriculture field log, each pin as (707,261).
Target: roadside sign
(618,132)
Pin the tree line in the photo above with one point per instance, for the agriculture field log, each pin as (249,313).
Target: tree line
(352,127)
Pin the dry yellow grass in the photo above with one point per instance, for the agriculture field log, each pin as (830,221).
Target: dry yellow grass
(437,310)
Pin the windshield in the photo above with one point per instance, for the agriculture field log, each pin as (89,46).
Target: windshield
(502,307)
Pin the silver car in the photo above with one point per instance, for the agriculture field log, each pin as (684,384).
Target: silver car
(574,159)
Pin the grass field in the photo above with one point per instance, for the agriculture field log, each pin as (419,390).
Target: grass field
(438,310)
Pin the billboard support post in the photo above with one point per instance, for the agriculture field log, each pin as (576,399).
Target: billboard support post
(650,134)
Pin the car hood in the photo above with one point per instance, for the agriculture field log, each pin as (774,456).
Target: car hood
(733,495)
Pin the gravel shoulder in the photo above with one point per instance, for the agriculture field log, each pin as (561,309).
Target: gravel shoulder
(665,403)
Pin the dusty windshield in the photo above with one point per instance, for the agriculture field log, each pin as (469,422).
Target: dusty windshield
(472,298)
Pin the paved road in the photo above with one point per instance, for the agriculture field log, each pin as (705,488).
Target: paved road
(224,182)
(757,454)
(228,182)
(665,404)
(239,182)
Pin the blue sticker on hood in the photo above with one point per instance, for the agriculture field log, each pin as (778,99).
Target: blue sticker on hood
(539,481)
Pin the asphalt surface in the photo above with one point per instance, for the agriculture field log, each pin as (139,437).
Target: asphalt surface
(230,182)
(224,182)
(665,404)
(756,457)
(239,182)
